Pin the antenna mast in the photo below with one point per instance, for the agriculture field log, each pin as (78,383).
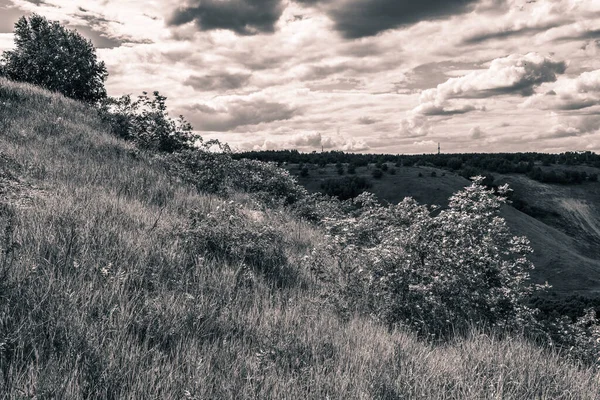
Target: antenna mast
(439,148)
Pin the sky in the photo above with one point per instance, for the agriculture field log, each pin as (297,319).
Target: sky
(371,76)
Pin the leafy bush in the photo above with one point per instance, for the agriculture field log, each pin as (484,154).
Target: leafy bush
(270,183)
(377,173)
(209,171)
(147,123)
(436,274)
(304,171)
(58,59)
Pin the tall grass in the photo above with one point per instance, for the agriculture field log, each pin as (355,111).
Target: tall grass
(102,295)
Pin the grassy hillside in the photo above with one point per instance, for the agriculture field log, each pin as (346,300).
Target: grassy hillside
(564,229)
(102,295)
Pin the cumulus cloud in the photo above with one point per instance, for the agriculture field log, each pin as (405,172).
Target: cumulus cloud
(570,126)
(310,141)
(415,126)
(245,17)
(515,74)
(236,113)
(569,93)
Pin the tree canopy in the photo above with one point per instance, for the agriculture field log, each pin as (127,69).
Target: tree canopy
(54,57)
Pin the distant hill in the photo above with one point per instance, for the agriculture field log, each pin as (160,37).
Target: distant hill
(562,221)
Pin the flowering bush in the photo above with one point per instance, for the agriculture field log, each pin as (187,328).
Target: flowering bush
(267,181)
(435,273)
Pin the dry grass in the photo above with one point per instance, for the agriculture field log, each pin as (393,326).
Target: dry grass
(101,296)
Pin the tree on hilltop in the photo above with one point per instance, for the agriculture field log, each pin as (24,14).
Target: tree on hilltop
(54,57)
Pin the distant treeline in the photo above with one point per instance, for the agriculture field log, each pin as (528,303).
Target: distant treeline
(468,164)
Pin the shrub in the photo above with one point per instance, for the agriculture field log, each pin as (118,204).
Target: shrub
(147,123)
(304,171)
(436,274)
(377,173)
(270,183)
(433,174)
(208,171)
(58,59)
(351,169)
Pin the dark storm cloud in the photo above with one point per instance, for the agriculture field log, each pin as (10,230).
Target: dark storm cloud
(352,18)
(360,18)
(246,17)
(218,81)
(238,113)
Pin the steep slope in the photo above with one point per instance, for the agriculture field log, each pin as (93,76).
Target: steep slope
(104,295)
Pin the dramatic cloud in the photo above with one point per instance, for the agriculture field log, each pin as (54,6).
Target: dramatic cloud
(237,113)
(245,17)
(515,74)
(360,18)
(355,75)
(569,94)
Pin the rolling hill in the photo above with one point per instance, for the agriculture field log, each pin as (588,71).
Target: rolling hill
(564,230)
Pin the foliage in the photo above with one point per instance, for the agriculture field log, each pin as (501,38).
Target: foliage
(467,165)
(230,234)
(58,59)
(208,171)
(434,273)
(146,122)
(345,188)
(564,177)
(377,173)
(269,182)
(304,171)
